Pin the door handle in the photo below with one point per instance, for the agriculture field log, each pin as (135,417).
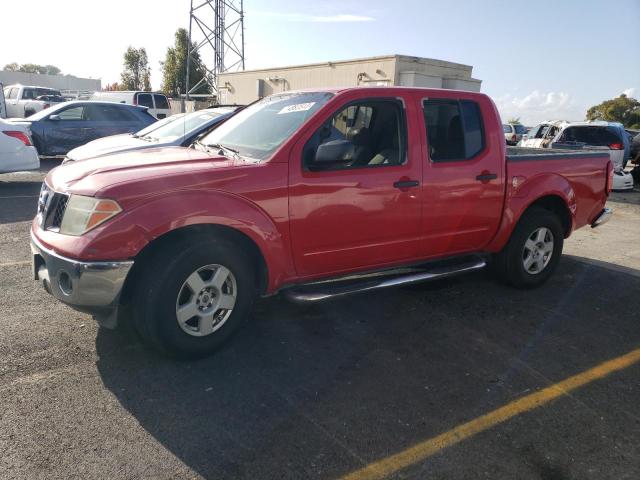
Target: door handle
(406,183)
(485,177)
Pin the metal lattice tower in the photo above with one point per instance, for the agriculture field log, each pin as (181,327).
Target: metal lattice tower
(216,29)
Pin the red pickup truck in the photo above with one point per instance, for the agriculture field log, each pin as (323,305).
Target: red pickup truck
(314,194)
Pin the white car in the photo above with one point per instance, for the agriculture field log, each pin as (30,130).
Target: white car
(157,103)
(17,152)
(513,132)
(542,134)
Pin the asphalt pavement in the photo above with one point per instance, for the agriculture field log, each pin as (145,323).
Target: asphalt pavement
(321,392)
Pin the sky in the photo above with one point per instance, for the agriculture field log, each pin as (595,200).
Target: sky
(547,61)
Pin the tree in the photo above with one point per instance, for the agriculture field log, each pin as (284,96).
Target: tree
(32,68)
(623,109)
(174,68)
(136,74)
(514,121)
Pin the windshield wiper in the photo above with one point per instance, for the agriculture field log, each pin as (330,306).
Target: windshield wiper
(222,149)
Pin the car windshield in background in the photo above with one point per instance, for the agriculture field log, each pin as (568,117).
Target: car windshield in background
(520,129)
(48,111)
(180,126)
(258,130)
(158,124)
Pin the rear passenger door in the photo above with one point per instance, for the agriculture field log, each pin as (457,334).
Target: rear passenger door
(106,120)
(463,184)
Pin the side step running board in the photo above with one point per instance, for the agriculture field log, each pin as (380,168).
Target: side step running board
(316,292)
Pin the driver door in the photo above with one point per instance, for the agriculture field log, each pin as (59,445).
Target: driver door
(361,209)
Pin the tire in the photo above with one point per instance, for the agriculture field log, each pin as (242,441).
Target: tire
(167,289)
(533,251)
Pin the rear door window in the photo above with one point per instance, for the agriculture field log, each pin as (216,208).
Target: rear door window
(595,136)
(161,101)
(506,128)
(454,129)
(145,100)
(108,113)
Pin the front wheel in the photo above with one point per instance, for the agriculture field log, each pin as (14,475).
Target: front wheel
(533,251)
(193,295)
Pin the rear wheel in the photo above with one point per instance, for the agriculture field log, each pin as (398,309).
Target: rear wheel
(193,295)
(533,251)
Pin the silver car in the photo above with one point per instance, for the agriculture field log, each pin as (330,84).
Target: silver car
(176,130)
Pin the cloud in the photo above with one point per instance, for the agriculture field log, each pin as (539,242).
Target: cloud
(630,92)
(538,106)
(303,17)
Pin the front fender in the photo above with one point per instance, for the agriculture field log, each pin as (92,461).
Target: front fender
(525,194)
(127,234)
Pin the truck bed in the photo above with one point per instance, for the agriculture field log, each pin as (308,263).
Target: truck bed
(519,154)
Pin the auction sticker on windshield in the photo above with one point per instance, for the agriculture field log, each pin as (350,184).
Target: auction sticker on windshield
(298,107)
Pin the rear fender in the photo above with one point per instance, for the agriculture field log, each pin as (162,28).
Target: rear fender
(520,197)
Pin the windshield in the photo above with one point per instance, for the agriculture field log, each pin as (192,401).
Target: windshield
(258,130)
(158,124)
(180,126)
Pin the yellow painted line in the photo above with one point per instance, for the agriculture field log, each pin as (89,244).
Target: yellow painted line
(421,451)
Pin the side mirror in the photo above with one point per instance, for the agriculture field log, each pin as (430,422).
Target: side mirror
(335,151)
(54,117)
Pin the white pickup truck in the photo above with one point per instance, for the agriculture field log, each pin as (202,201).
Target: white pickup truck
(21,101)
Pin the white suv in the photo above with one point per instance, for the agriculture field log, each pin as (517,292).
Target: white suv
(157,103)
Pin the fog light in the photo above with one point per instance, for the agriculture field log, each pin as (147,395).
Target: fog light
(64,282)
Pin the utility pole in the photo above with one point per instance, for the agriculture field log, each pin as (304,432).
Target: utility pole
(216,30)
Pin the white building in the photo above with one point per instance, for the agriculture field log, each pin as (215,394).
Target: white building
(249,85)
(67,83)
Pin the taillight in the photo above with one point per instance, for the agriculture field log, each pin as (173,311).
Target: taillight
(609,181)
(46,105)
(24,138)
(616,146)
(514,137)
(135,99)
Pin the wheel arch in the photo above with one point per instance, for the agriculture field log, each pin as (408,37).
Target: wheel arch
(221,231)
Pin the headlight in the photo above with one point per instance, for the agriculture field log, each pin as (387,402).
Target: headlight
(85,213)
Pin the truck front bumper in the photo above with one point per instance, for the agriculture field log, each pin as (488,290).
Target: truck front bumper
(90,287)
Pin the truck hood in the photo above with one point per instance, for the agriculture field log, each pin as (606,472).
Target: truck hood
(108,145)
(96,174)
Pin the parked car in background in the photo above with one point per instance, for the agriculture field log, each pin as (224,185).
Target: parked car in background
(68,125)
(302,187)
(177,130)
(542,134)
(3,107)
(51,99)
(17,152)
(22,101)
(156,102)
(603,136)
(513,132)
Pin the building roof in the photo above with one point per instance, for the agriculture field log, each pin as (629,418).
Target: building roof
(408,58)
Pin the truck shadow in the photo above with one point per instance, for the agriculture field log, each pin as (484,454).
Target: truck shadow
(316,392)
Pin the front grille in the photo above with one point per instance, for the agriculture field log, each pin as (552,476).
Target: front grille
(51,208)
(58,213)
